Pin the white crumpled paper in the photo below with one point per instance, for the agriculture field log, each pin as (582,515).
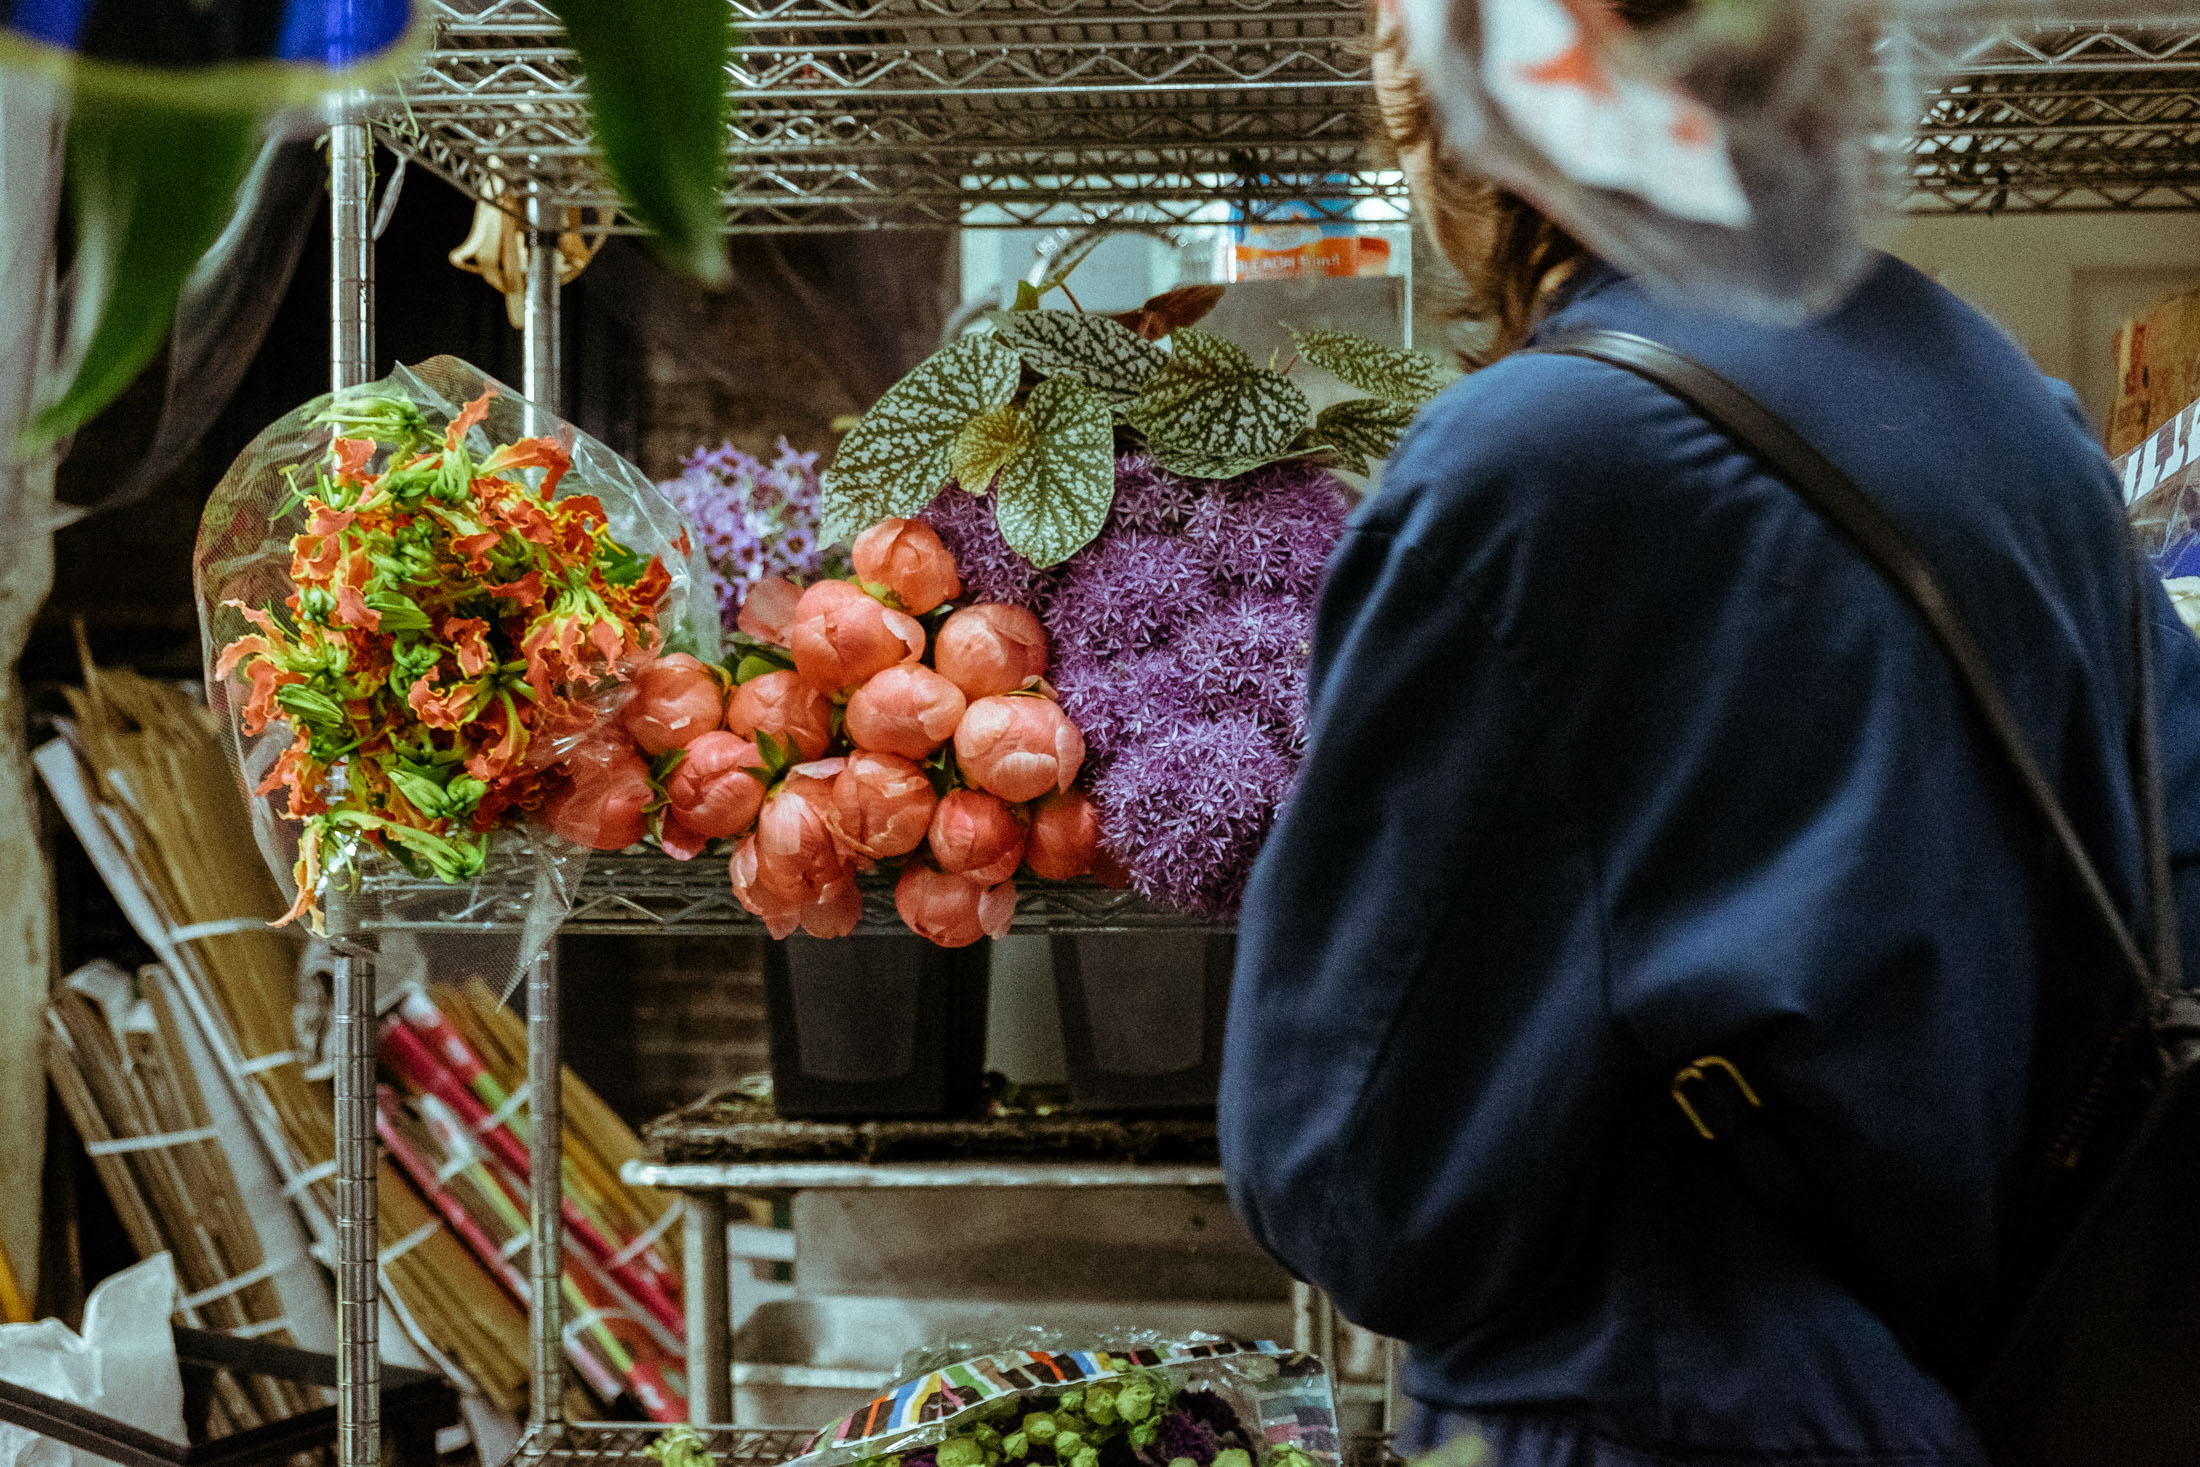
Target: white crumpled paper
(123,1365)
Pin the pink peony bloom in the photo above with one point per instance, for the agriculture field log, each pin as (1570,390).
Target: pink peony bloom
(604,802)
(675,699)
(1018,747)
(1065,836)
(842,638)
(908,559)
(908,710)
(767,612)
(784,706)
(796,855)
(713,792)
(881,806)
(975,835)
(989,650)
(951,910)
(780,916)
(836,911)
(679,840)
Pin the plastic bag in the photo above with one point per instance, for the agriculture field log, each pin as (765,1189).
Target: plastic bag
(123,1366)
(416,599)
(1137,1402)
(1725,156)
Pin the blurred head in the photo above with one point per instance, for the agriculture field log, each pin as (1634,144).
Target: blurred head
(1509,256)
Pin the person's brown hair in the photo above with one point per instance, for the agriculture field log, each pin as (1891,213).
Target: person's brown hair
(1507,253)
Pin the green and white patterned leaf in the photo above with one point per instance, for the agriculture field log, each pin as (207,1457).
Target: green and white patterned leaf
(1102,353)
(986,442)
(895,460)
(1211,404)
(1053,496)
(1381,371)
(1362,430)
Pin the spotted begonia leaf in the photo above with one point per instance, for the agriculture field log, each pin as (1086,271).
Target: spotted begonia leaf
(1211,407)
(1386,372)
(986,442)
(1361,431)
(894,461)
(1102,353)
(1053,494)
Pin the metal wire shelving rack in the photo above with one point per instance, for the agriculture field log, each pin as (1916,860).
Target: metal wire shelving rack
(944,113)
(907,113)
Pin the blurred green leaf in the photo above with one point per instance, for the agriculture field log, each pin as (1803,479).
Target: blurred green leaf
(151,188)
(656,72)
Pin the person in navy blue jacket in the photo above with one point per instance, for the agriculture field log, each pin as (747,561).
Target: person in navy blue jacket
(1619,756)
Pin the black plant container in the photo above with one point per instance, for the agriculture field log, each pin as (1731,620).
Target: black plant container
(887,1027)
(1142,1017)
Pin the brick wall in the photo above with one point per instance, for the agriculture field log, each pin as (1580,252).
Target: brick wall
(653,1023)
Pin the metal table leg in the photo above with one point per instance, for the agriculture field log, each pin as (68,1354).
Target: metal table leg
(709,1309)
(546,1193)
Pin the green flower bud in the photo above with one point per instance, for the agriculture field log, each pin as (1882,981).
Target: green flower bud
(1144,1432)
(1070,1400)
(1017,1445)
(1234,1457)
(1100,1406)
(1182,1462)
(963,1452)
(1089,1457)
(987,1435)
(1066,1443)
(1039,1426)
(1134,1402)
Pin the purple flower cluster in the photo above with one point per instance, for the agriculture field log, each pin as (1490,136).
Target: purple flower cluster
(751,519)
(1181,640)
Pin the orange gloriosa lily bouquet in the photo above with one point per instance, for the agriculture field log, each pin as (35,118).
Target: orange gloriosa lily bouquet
(454,629)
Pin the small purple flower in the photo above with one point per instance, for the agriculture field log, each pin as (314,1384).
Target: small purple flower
(990,570)
(1187,810)
(1129,591)
(1272,529)
(1251,654)
(750,520)
(1120,702)
(1150,497)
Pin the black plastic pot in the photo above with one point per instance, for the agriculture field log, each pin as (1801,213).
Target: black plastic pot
(875,1027)
(1142,1017)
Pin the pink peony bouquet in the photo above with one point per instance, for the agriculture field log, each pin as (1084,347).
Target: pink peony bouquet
(867,721)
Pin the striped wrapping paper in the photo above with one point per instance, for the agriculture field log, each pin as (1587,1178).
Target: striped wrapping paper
(1289,1393)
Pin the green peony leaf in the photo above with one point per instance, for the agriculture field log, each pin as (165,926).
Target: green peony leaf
(1382,371)
(896,458)
(1053,495)
(1362,430)
(1211,408)
(1100,352)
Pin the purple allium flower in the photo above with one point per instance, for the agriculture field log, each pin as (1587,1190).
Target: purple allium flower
(751,519)
(990,570)
(1150,497)
(1250,654)
(1272,529)
(1118,703)
(1187,810)
(1129,591)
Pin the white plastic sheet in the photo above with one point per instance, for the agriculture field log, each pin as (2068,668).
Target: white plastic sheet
(123,1365)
